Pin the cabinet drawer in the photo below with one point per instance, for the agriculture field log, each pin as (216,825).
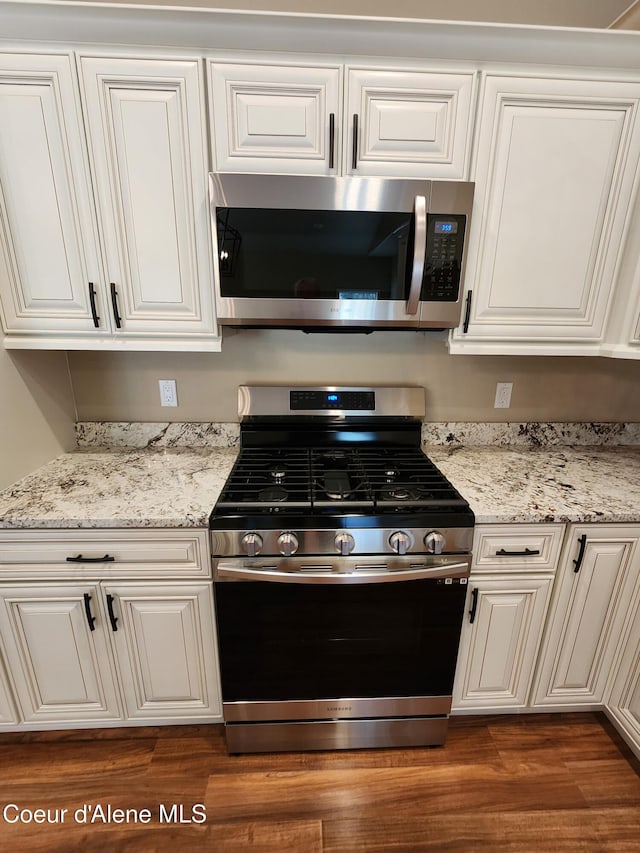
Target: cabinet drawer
(38,555)
(518,547)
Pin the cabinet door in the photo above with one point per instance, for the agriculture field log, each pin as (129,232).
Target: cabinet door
(49,266)
(61,668)
(555,166)
(166,649)
(498,649)
(275,118)
(148,153)
(623,703)
(596,582)
(411,124)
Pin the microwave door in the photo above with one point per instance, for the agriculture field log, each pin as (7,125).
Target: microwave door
(419,253)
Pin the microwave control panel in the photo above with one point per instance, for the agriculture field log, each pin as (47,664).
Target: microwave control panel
(443,261)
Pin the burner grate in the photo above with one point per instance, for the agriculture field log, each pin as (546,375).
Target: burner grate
(329,479)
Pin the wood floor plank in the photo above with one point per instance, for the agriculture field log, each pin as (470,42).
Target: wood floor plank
(550,782)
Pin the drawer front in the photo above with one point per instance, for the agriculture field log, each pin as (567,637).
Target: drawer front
(516,547)
(80,554)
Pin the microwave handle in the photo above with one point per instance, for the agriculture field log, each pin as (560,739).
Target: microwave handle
(419,252)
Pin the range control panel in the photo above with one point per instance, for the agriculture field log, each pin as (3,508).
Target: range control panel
(314,399)
(443,263)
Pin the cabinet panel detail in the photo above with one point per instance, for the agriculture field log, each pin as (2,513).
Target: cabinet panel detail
(273,117)
(147,144)
(589,612)
(165,647)
(498,651)
(412,124)
(502,548)
(39,555)
(48,244)
(60,666)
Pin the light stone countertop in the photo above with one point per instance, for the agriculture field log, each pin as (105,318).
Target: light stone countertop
(178,487)
(159,488)
(563,484)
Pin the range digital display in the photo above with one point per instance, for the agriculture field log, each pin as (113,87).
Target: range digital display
(315,399)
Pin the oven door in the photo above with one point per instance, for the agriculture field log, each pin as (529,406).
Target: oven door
(349,639)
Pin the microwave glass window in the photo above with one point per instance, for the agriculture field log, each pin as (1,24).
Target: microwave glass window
(314,254)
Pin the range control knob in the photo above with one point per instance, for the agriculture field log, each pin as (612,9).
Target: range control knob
(345,543)
(288,544)
(252,544)
(434,542)
(400,542)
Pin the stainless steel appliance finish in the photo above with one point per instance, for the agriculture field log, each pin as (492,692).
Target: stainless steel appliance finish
(341,558)
(272,270)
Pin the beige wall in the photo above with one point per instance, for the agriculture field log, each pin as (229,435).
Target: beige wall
(37,411)
(124,386)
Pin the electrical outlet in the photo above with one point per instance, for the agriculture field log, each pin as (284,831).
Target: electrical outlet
(503,395)
(168,393)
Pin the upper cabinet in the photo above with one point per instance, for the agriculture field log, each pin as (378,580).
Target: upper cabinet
(333,120)
(50,269)
(555,165)
(133,269)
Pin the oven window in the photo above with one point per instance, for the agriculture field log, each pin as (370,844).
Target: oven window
(313,254)
(283,641)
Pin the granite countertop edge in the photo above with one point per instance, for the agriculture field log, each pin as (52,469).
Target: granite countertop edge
(162,488)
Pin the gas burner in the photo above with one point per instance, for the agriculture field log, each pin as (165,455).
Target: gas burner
(278,473)
(272,494)
(337,485)
(399,493)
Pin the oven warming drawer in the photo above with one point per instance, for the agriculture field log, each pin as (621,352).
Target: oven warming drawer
(335,734)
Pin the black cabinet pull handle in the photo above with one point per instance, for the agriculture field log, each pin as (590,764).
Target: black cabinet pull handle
(114,304)
(112,616)
(92,302)
(332,138)
(81,559)
(467,312)
(354,155)
(474,605)
(578,561)
(528,552)
(87,609)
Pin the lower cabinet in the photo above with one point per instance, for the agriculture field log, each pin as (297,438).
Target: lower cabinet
(164,641)
(82,653)
(509,591)
(597,581)
(500,641)
(107,651)
(623,702)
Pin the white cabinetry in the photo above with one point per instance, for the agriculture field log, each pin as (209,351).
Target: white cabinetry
(83,651)
(61,667)
(165,649)
(555,165)
(49,252)
(295,119)
(131,270)
(623,702)
(509,591)
(597,580)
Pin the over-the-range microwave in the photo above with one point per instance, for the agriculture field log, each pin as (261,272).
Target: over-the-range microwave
(339,253)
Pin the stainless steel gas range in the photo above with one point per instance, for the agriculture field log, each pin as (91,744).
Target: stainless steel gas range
(341,558)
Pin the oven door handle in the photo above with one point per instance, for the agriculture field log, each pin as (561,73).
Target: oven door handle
(419,253)
(231,572)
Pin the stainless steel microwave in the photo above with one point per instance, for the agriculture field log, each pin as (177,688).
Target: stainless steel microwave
(348,253)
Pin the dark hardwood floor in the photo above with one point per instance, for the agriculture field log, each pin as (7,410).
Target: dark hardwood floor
(550,782)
